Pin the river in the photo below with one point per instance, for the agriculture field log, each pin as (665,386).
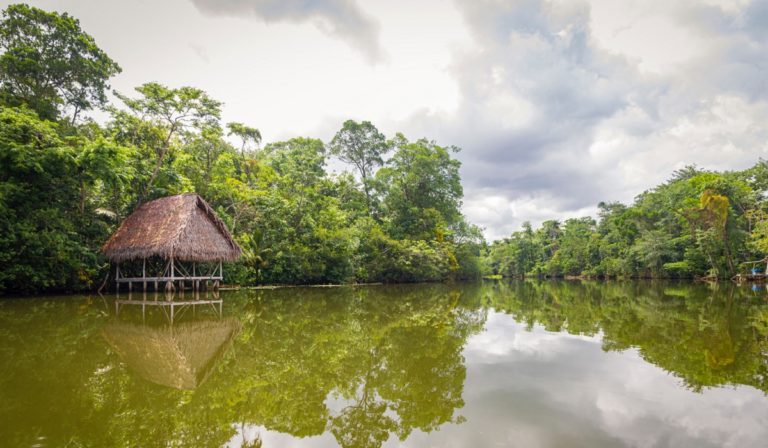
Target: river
(522,364)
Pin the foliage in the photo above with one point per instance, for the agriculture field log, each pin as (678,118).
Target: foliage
(423,190)
(362,146)
(46,241)
(698,223)
(49,64)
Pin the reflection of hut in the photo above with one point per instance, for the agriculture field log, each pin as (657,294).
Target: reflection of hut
(180,356)
(180,232)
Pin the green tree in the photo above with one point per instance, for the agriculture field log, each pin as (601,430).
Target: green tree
(169,113)
(247,135)
(424,191)
(363,146)
(50,64)
(39,244)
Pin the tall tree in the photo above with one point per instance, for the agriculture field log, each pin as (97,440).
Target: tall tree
(172,112)
(424,189)
(247,135)
(50,64)
(249,138)
(363,146)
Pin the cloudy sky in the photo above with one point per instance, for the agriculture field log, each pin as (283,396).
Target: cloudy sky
(557,104)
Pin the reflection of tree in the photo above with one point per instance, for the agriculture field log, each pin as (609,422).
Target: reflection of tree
(706,337)
(390,357)
(363,364)
(363,424)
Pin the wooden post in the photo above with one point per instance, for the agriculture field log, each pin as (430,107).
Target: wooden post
(173,273)
(144,272)
(117,278)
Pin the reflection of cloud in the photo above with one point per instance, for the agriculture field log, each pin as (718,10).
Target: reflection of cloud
(269,438)
(502,338)
(556,389)
(339,18)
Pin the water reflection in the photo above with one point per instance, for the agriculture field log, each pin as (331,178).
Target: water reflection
(179,356)
(526,364)
(363,365)
(706,335)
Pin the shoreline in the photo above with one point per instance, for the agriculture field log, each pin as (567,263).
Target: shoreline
(483,279)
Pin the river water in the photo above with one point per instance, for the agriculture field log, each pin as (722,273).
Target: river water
(520,364)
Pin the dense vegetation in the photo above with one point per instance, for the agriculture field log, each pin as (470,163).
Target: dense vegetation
(67,181)
(699,223)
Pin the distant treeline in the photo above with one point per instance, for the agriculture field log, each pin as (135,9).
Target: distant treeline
(66,182)
(698,223)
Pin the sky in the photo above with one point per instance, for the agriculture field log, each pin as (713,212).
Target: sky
(557,105)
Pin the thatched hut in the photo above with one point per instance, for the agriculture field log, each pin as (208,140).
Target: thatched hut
(182,231)
(180,356)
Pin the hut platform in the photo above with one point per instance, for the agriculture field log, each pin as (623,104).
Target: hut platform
(172,308)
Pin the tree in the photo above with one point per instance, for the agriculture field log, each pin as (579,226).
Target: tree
(363,146)
(424,189)
(50,64)
(576,252)
(653,248)
(171,112)
(39,244)
(246,134)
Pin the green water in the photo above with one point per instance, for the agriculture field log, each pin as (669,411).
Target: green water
(524,364)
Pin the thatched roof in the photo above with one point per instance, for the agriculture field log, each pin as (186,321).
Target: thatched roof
(184,227)
(180,356)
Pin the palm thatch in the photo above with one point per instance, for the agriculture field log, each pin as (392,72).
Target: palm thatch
(180,356)
(182,227)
